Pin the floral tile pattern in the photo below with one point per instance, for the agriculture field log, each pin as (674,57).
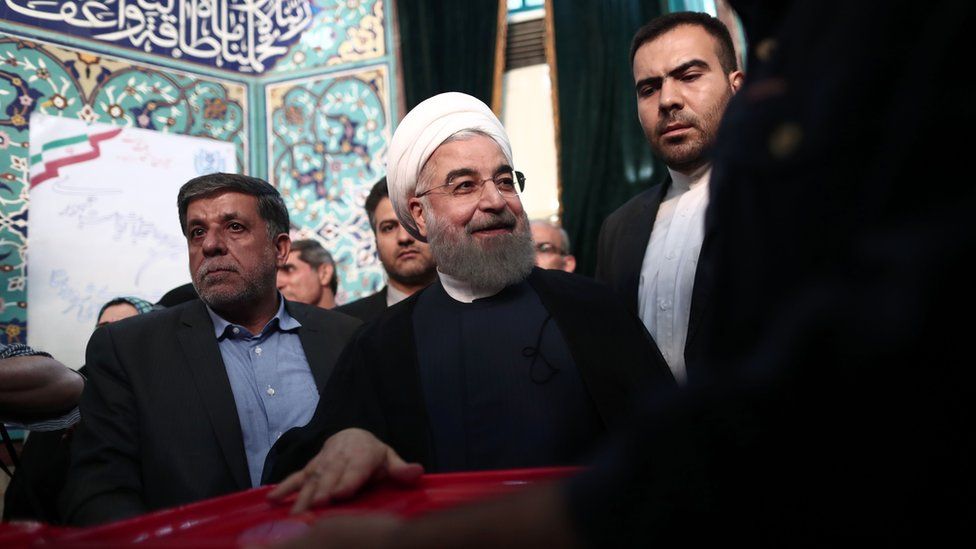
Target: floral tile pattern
(65,82)
(327,146)
(342,31)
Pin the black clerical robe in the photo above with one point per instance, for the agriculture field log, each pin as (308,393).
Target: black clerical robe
(500,384)
(377,383)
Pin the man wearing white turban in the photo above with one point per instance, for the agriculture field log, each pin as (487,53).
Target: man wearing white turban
(497,364)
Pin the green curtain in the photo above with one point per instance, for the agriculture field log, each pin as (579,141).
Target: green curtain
(447,46)
(604,157)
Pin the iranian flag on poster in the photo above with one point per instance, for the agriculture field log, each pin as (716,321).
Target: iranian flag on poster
(103,222)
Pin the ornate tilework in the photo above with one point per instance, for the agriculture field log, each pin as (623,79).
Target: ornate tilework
(327,148)
(59,81)
(342,31)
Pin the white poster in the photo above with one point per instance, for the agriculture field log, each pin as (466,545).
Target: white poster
(103,222)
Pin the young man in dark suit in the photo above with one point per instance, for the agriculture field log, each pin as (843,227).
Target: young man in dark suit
(408,263)
(685,72)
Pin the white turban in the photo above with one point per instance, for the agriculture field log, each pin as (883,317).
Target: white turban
(424,128)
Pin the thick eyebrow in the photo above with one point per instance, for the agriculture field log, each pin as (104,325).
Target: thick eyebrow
(504,168)
(230,216)
(462,172)
(454,174)
(677,71)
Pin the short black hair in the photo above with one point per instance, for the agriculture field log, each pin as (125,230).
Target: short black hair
(376,194)
(314,253)
(717,29)
(271,207)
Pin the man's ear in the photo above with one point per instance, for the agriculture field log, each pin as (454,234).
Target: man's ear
(417,212)
(282,244)
(325,273)
(570,265)
(735,80)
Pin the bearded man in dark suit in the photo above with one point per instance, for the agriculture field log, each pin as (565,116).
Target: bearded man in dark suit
(685,72)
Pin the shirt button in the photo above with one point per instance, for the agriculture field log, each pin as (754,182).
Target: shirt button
(236,330)
(270,391)
(257,351)
(664,304)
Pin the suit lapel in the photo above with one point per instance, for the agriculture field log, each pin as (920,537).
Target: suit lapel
(207,369)
(319,342)
(634,241)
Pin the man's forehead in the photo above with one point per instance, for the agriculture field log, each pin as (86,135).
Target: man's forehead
(674,48)
(295,256)
(469,153)
(223,202)
(384,210)
(543,231)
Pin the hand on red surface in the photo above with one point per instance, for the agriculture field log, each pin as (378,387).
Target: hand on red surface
(348,460)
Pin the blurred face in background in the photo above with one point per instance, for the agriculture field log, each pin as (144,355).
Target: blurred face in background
(299,281)
(550,252)
(115,313)
(407,261)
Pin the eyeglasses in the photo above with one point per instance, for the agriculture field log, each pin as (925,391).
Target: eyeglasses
(547,248)
(508,184)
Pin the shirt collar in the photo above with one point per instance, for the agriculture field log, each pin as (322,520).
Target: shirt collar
(463,291)
(281,321)
(394,296)
(681,182)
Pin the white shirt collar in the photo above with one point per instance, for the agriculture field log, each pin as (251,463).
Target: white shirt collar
(681,182)
(463,291)
(394,296)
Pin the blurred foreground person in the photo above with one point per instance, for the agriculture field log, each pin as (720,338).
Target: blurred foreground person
(34,488)
(34,387)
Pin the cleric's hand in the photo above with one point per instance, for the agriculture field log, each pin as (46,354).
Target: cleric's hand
(347,461)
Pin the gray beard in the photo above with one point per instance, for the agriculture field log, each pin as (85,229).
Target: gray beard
(231,301)
(257,285)
(504,260)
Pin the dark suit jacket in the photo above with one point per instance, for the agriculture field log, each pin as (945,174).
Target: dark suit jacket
(159,426)
(620,254)
(377,381)
(367,308)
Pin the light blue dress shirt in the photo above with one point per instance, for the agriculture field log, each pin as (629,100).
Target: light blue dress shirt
(273,386)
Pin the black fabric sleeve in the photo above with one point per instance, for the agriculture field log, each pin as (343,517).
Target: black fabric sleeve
(105,477)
